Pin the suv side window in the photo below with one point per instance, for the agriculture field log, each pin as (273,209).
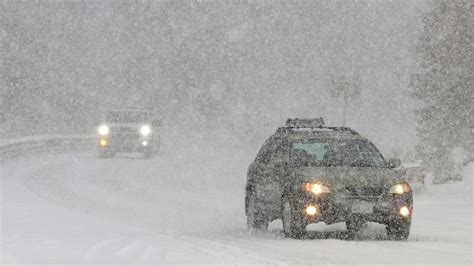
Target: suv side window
(280,152)
(265,152)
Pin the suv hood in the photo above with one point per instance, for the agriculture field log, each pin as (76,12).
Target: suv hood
(337,178)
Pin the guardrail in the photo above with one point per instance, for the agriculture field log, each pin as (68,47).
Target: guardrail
(13,148)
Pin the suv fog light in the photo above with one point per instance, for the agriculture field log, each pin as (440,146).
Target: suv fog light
(311,210)
(404,211)
(144,143)
(103,142)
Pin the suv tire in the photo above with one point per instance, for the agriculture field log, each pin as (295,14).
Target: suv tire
(255,219)
(398,229)
(354,226)
(293,224)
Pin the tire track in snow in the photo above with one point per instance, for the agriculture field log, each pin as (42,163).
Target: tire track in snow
(126,199)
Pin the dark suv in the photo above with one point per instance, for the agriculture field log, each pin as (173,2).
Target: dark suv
(308,173)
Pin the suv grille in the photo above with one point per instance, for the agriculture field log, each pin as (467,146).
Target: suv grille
(364,191)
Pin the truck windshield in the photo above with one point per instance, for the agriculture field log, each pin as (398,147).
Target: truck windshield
(127,117)
(354,153)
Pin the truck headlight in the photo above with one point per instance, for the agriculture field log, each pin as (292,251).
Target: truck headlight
(104,130)
(400,188)
(316,188)
(145,130)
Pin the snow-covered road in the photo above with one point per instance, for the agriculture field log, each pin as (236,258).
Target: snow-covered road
(183,209)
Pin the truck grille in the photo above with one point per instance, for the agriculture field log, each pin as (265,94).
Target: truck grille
(123,130)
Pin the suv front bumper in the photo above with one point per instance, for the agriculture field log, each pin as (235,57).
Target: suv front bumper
(333,208)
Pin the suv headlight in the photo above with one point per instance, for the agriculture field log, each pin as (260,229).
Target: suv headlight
(316,188)
(400,188)
(104,130)
(145,130)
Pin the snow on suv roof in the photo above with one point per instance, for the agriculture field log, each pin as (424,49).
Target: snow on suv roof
(325,133)
(301,131)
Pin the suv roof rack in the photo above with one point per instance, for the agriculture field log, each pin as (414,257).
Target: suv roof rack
(348,129)
(305,123)
(314,123)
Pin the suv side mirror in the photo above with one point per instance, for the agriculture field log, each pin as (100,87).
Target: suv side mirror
(394,163)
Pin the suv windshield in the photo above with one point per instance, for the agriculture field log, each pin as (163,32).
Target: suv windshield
(355,153)
(127,117)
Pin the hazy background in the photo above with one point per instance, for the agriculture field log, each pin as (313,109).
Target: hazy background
(229,71)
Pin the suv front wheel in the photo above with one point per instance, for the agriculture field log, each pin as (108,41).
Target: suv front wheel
(293,224)
(354,225)
(398,229)
(255,219)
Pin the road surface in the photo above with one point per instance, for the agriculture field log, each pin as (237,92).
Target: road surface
(188,208)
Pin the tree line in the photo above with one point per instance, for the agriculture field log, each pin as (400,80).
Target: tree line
(444,87)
